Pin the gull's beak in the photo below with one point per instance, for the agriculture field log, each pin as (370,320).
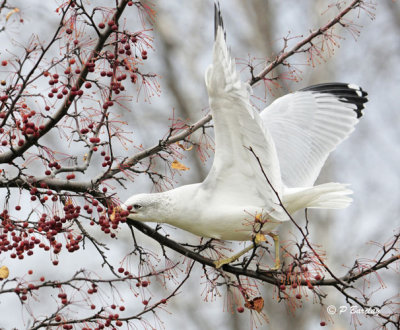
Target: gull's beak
(125,208)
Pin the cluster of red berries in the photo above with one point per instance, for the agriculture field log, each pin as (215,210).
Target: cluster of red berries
(93,289)
(19,243)
(56,165)
(126,273)
(23,292)
(29,128)
(106,224)
(63,297)
(71,211)
(116,86)
(107,159)
(51,226)
(121,308)
(44,196)
(108,104)
(73,243)
(61,91)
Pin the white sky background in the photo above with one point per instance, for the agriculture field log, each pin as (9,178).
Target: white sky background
(368,159)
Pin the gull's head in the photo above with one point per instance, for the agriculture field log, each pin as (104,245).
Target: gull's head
(146,207)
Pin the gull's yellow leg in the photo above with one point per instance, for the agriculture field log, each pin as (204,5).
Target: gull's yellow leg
(275,237)
(258,239)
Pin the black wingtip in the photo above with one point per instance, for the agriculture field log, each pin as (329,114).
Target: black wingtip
(218,21)
(347,93)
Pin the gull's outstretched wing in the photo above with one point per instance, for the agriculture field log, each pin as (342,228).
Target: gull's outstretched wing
(308,124)
(238,127)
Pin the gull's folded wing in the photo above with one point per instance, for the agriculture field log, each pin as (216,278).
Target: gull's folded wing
(308,124)
(238,127)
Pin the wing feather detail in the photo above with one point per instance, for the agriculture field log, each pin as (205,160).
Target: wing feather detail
(238,127)
(309,124)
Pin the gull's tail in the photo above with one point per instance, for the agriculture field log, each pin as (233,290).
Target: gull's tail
(325,196)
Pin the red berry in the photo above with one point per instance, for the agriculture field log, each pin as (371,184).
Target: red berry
(318,277)
(94,140)
(120,270)
(240,309)
(145,302)
(88,85)
(102,25)
(130,3)
(30,271)
(18,207)
(322,324)
(4,63)
(93,306)
(68,31)
(298,296)
(282,287)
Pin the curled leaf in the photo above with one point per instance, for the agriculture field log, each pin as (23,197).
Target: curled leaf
(178,166)
(69,201)
(183,147)
(4,272)
(117,209)
(12,12)
(256,304)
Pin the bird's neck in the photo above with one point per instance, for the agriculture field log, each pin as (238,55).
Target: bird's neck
(180,207)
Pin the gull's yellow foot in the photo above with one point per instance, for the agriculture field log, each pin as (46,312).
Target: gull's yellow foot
(259,238)
(219,263)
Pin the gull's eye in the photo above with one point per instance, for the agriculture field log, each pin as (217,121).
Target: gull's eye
(137,206)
